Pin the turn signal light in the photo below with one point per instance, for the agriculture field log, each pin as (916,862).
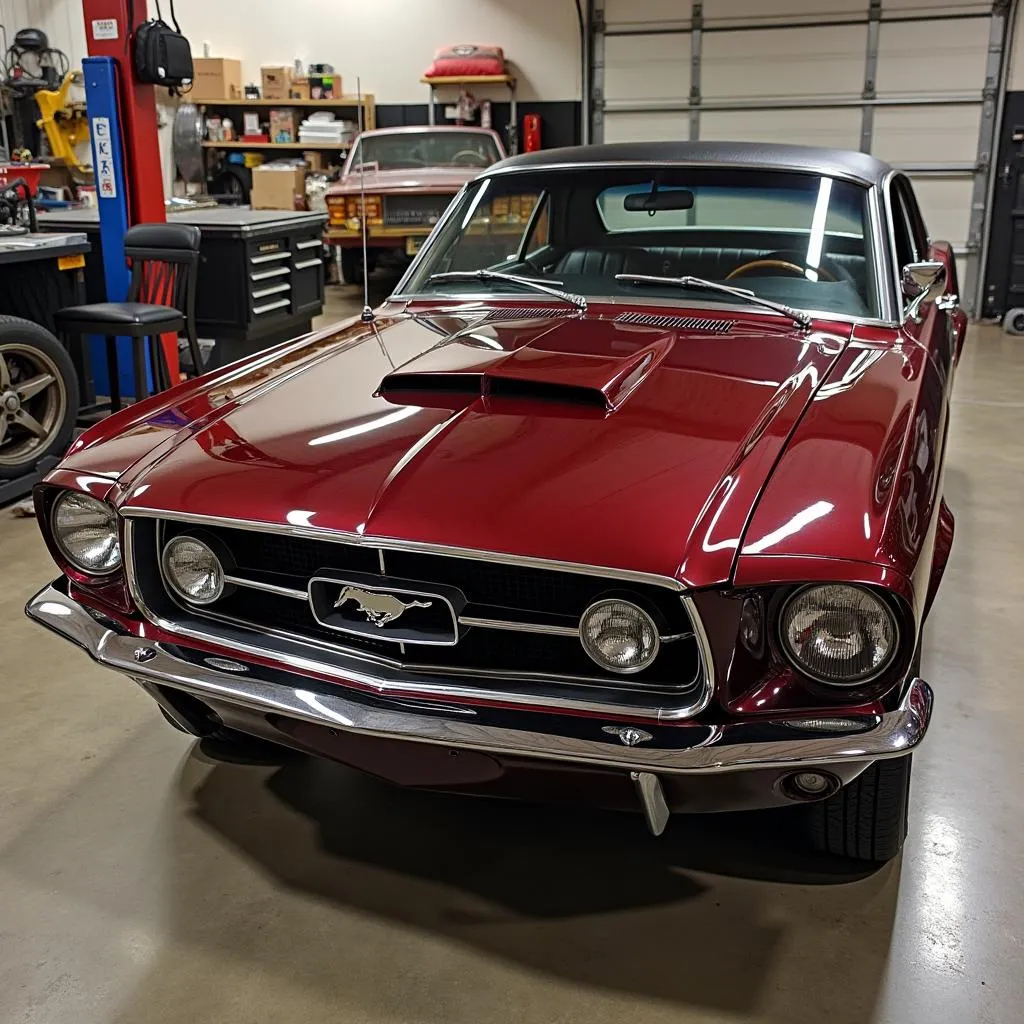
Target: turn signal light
(374,209)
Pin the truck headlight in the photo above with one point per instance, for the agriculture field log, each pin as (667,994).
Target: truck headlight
(838,634)
(85,531)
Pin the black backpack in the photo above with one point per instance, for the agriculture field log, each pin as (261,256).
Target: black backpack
(162,54)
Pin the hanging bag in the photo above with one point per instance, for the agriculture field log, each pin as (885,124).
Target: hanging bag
(162,54)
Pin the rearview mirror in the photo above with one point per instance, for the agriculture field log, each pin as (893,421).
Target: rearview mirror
(670,199)
(921,282)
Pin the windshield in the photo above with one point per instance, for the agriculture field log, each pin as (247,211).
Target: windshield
(799,239)
(402,150)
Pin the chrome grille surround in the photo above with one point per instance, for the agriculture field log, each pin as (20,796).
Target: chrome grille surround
(678,323)
(344,663)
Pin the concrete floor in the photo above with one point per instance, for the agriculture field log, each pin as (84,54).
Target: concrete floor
(138,884)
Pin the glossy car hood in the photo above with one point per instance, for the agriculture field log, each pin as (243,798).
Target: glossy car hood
(576,438)
(444,179)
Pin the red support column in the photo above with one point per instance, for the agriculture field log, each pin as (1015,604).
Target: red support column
(138,119)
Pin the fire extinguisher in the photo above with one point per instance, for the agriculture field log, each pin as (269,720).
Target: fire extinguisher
(531,133)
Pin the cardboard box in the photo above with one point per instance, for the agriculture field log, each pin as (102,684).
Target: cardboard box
(215,78)
(299,89)
(282,126)
(315,160)
(276,82)
(278,188)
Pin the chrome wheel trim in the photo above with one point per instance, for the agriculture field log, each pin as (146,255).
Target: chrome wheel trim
(33,402)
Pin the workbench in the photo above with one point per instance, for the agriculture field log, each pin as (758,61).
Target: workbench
(261,272)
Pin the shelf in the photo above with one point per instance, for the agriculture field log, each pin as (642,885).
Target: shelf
(345,101)
(471,80)
(277,145)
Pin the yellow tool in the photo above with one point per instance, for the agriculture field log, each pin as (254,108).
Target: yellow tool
(65,124)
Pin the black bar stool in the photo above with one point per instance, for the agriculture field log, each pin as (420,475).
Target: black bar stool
(161,300)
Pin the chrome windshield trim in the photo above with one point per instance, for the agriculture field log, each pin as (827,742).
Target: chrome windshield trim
(408,686)
(627,302)
(683,748)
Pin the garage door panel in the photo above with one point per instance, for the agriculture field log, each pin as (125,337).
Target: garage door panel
(946,207)
(624,13)
(836,128)
(647,67)
(646,127)
(727,12)
(926,135)
(932,57)
(792,62)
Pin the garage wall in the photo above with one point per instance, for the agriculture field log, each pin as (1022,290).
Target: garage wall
(388,43)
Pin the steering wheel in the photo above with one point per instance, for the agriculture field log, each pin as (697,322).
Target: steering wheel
(827,270)
(475,159)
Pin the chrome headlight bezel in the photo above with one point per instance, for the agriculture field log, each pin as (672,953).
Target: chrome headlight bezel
(636,609)
(174,585)
(853,683)
(60,534)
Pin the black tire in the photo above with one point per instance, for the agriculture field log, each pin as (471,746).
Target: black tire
(867,819)
(351,266)
(29,352)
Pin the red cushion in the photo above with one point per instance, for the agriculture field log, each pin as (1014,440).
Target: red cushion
(467,59)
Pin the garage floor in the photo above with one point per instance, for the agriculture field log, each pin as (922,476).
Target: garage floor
(140,884)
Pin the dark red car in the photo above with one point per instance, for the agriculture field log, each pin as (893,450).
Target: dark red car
(631,493)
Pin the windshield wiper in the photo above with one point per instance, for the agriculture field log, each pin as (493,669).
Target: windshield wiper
(798,316)
(526,282)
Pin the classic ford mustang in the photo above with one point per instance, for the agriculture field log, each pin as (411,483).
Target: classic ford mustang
(408,176)
(631,493)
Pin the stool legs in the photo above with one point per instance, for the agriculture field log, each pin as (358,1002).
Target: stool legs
(114,385)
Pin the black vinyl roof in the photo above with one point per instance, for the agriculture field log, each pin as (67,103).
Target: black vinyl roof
(834,163)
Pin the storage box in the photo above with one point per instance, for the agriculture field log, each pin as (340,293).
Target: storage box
(215,78)
(282,126)
(276,82)
(299,89)
(278,188)
(325,87)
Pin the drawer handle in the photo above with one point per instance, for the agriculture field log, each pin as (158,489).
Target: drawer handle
(274,272)
(273,290)
(308,244)
(306,264)
(267,257)
(266,308)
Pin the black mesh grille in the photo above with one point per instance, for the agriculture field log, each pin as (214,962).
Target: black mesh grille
(492,590)
(414,211)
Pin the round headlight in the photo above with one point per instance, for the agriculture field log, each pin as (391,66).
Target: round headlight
(192,570)
(837,634)
(85,530)
(618,636)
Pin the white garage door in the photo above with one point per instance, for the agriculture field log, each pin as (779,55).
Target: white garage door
(784,71)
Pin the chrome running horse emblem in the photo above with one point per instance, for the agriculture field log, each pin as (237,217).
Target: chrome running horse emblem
(380,609)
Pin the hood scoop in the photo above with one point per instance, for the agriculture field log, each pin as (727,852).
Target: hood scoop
(676,323)
(569,379)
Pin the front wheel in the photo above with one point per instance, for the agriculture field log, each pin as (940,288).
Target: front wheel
(38,396)
(866,819)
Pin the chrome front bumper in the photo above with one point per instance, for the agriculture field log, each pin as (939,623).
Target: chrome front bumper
(650,748)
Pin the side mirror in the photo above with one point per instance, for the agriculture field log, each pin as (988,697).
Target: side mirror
(919,283)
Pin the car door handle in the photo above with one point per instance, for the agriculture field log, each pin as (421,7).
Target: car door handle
(948,303)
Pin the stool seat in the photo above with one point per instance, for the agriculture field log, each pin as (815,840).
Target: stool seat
(95,317)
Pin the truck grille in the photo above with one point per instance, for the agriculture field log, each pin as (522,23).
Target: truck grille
(414,211)
(514,622)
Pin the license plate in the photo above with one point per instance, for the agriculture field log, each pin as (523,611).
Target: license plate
(71,262)
(412,245)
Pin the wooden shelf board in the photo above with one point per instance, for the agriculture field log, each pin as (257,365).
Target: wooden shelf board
(345,101)
(275,145)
